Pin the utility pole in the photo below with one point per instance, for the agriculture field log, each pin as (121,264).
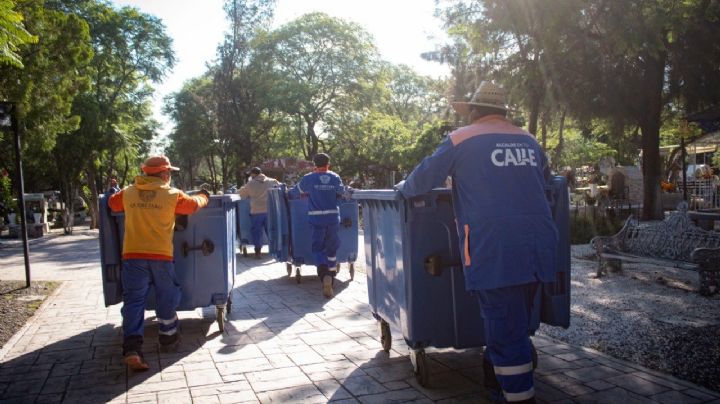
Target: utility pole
(9,120)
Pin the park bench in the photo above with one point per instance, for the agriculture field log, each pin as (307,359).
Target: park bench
(674,242)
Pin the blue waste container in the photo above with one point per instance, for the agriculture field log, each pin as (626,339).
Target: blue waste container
(290,240)
(278,224)
(204,255)
(415,278)
(244,226)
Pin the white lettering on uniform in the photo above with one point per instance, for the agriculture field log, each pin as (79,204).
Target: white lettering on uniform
(516,157)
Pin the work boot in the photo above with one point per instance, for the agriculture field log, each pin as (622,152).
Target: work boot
(135,362)
(169,343)
(327,286)
(257,254)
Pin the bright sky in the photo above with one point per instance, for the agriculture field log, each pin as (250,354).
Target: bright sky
(402,30)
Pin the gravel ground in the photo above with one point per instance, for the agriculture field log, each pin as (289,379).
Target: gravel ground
(17,304)
(647,315)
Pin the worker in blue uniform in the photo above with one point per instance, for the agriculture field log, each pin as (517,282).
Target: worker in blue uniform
(324,188)
(508,239)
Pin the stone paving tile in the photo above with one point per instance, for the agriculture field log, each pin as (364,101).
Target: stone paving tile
(299,394)
(174,397)
(446,385)
(284,342)
(202,377)
(362,385)
(406,395)
(615,395)
(332,389)
(599,385)
(592,373)
(674,397)
(275,379)
(637,385)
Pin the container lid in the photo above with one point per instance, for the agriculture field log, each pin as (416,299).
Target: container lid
(377,194)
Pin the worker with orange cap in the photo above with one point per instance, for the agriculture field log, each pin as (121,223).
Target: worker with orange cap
(150,205)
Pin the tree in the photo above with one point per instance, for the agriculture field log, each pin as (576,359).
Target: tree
(319,60)
(193,111)
(46,86)
(132,51)
(12,34)
(624,62)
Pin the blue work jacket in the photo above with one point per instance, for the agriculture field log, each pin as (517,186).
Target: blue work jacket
(505,226)
(323,188)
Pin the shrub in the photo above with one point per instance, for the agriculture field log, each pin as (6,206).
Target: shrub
(584,228)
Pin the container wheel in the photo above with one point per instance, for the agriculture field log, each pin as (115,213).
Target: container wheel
(288,266)
(420,367)
(352,271)
(297,275)
(220,314)
(385,336)
(244,251)
(228,306)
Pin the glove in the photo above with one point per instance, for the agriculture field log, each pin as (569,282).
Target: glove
(204,192)
(347,195)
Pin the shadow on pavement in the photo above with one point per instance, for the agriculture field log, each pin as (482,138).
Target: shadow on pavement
(87,367)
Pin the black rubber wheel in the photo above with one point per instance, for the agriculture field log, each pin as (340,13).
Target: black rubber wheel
(352,271)
(385,336)
(220,313)
(422,373)
(297,275)
(244,251)
(288,266)
(228,306)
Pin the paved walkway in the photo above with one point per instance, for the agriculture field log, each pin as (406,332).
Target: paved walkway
(283,342)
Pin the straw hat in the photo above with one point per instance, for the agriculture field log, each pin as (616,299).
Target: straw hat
(487,95)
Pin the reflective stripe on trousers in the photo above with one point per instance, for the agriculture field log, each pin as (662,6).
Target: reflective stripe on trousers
(506,319)
(325,243)
(323,212)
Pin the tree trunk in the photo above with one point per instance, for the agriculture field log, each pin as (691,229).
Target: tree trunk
(543,131)
(650,130)
(92,200)
(561,141)
(534,113)
(312,139)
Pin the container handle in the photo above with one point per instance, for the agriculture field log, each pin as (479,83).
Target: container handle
(434,265)
(207,247)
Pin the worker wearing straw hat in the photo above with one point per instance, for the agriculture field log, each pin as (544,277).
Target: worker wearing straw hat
(508,239)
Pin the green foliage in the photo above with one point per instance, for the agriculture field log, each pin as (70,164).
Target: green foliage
(6,193)
(370,147)
(579,150)
(45,88)
(12,34)
(319,60)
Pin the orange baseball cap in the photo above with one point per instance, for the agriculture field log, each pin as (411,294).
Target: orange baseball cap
(157,164)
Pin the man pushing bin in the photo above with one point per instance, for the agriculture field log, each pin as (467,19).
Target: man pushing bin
(256,190)
(324,188)
(150,205)
(508,239)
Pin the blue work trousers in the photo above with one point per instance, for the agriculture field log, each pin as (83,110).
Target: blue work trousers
(258,229)
(137,277)
(506,318)
(325,243)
